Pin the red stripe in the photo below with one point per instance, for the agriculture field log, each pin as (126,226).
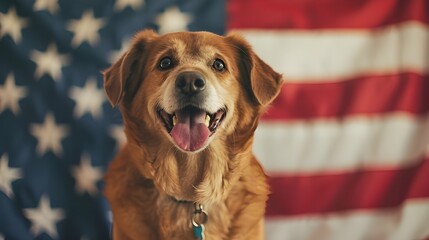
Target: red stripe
(293,195)
(408,92)
(304,14)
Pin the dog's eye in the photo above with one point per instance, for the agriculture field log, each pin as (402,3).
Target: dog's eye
(165,63)
(219,65)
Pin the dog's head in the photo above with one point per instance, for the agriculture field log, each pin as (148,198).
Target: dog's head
(190,87)
(187,96)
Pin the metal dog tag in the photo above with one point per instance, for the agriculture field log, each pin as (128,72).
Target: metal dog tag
(199,218)
(199,232)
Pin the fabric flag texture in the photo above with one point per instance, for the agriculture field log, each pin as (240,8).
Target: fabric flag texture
(346,144)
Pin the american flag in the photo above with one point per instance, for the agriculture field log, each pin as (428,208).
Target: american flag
(346,144)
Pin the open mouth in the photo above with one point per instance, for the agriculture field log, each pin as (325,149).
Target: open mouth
(191,127)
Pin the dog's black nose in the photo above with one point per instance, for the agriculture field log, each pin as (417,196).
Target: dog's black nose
(190,83)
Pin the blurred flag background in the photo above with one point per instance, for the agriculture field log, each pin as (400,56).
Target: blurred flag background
(346,144)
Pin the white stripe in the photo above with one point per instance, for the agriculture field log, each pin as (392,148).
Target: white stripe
(337,145)
(320,55)
(410,222)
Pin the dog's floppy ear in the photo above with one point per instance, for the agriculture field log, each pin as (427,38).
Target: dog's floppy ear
(262,81)
(116,77)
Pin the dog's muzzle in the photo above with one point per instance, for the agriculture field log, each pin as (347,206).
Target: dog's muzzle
(190,126)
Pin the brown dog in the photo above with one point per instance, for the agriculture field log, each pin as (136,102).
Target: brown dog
(190,104)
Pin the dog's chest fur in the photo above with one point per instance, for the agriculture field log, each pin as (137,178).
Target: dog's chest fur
(138,202)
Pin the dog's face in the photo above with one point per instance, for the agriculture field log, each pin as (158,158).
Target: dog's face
(191,88)
(195,89)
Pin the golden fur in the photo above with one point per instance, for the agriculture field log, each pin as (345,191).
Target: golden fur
(150,174)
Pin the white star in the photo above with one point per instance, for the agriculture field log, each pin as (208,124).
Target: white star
(50,5)
(49,62)
(11,24)
(10,94)
(7,176)
(85,29)
(87,176)
(49,135)
(114,55)
(117,132)
(88,99)
(44,218)
(109,216)
(122,4)
(172,20)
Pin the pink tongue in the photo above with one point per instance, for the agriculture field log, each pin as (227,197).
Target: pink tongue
(190,133)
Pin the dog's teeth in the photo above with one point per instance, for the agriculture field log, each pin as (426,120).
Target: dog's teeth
(174,120)
(207,120)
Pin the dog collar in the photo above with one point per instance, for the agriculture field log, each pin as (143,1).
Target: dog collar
(180,201)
